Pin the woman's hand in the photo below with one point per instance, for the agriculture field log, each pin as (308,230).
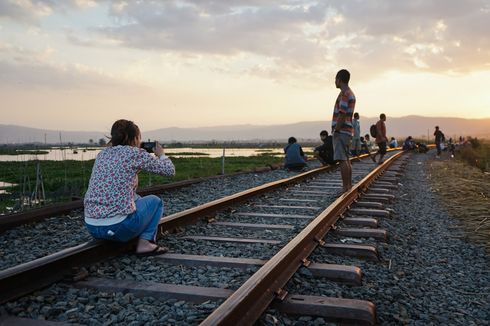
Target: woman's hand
(158,149)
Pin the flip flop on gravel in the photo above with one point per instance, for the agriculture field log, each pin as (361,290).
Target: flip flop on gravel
(155,252)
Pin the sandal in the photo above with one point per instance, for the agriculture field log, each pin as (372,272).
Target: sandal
(155,252)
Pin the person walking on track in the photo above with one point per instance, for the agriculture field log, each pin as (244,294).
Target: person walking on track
(381,139)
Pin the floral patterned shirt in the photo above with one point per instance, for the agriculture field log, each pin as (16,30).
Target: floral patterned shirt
(112,188)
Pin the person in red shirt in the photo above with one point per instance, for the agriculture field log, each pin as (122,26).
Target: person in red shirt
(381,139)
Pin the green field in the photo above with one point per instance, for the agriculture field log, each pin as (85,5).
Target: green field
(64,179)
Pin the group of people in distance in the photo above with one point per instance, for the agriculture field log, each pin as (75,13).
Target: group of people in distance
(295,159)
(346,139)
(411,144)
(346,133)
(114,211)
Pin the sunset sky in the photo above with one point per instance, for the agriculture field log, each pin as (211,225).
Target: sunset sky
(81,64)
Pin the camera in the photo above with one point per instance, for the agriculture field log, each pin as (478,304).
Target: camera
(148,146)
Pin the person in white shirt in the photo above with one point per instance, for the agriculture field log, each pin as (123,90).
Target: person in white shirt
(393,143)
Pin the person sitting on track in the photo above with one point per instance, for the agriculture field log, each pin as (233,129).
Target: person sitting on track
(369,146)
(113,210)
(421,148)
(393,143)
(364,146)
(324,152)
(295,159)
(409,144)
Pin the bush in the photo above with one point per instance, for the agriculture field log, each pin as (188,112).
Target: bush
(475,143)
(477,155)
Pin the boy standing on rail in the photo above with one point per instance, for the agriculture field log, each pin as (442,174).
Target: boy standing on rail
(342,126)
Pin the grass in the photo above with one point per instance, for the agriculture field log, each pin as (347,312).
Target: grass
(465,190)
(64,179)
(476,153)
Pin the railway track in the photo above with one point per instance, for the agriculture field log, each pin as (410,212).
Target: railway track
(261,236)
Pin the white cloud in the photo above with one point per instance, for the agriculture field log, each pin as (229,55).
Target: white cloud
(305,34)
(86,3)
(31,11)
(296,39)
(48,76)
(40,70)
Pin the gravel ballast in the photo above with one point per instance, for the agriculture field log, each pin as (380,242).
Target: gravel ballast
(429,274)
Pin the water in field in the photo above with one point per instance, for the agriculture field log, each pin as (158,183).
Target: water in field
(4,187)
(79,154)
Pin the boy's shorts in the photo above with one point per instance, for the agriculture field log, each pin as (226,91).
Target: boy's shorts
(341,144)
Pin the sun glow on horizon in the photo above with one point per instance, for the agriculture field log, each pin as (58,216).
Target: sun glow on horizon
(82,64)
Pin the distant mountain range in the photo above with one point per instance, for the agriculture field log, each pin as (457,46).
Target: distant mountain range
(402,127)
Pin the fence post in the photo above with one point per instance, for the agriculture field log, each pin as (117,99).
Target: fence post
(223,162)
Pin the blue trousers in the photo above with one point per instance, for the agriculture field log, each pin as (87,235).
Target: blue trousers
(143,223)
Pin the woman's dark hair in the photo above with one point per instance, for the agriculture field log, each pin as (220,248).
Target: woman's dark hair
(291,140)
(124,132)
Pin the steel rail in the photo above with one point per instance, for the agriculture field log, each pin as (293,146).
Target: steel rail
(248,303)
(9,221)
(25,278)
(28,277)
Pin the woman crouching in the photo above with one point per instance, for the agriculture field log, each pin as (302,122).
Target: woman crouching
(113,210)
